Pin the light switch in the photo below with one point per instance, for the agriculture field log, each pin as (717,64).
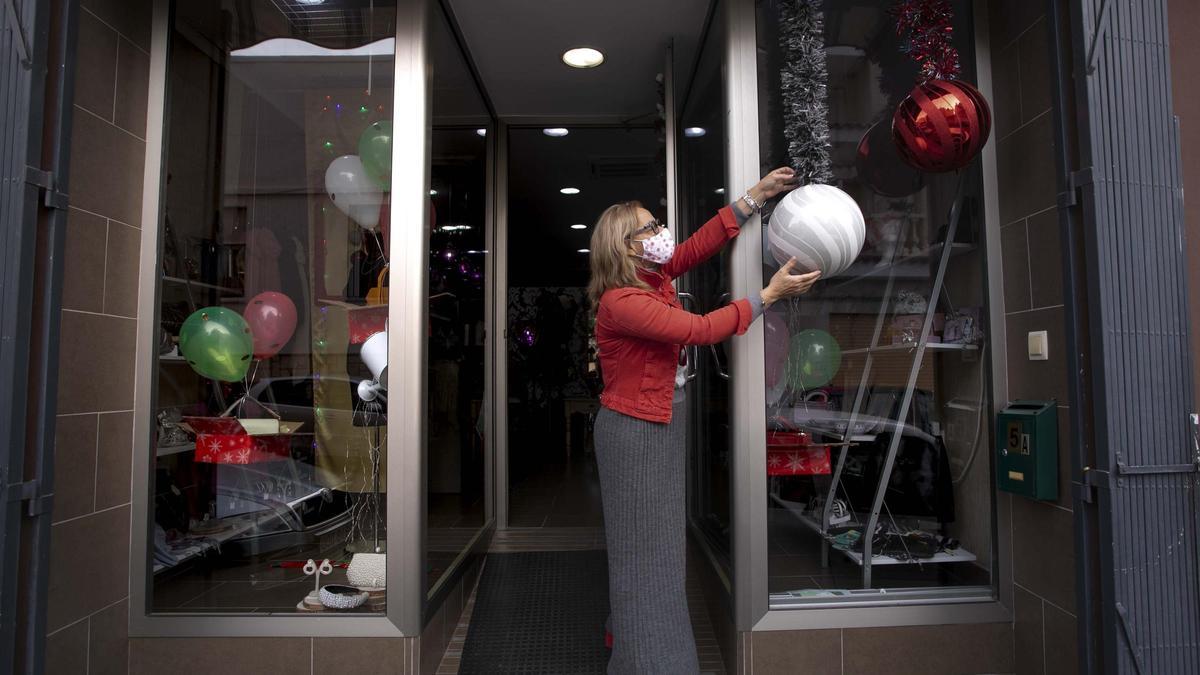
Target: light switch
(1039,346)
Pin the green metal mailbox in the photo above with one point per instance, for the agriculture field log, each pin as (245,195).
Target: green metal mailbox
(1027,449)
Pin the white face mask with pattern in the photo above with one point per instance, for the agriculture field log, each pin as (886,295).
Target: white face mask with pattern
(659,248)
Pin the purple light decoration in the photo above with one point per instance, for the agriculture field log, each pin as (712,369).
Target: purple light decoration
(527,335)
(448,254)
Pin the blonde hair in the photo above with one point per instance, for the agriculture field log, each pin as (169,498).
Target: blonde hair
(612,266)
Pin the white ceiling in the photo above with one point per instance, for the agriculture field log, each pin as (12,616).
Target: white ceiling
(517,46)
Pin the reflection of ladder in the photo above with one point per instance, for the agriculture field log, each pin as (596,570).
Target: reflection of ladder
(918,348)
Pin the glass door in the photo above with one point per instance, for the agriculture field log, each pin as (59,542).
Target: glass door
(701,177)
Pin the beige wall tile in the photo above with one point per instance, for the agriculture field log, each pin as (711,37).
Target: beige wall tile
(133,83)
(83,261)
(113,458)
(108,646)
(812,652)
(130,17)
(1044,551)
(1026,171)
(96,62)
(368,656)
(1028,645)
(223,656)
(95,363)
(67,650)
(74,465)
(121,270)
(929,650)
(89,566)
(1062,642)
(1014,251)
(106,169)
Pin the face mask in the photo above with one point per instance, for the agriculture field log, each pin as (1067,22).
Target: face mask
(659,248)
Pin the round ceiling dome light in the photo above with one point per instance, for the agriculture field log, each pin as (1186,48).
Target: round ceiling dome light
(481,132)
(582,57)
(555,132)
(584,250)
(570,191)
(694,132)
(579,226)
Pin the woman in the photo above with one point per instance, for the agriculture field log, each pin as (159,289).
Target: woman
(639,433)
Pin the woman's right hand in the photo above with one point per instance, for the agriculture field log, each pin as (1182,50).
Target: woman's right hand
(784,284)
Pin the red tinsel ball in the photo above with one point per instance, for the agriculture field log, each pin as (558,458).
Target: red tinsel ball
(941,126)
(879,166)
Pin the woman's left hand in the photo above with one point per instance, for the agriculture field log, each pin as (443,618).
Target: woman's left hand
(778,181)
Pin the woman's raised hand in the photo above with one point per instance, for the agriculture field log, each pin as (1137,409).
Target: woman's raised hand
(784,284)
(778,181)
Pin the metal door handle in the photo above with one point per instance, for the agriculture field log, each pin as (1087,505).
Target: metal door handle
(717,360)
(690,350)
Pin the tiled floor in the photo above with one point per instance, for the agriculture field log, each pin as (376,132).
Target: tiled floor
(574,539)
(565,494)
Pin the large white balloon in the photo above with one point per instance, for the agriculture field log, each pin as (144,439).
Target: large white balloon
(821,226)
(353,191)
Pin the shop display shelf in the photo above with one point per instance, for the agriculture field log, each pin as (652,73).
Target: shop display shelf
(200,544)
(165,450)
(797,510)
(912,266)
(912,346)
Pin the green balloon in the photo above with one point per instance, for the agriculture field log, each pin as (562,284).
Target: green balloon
(217,343)
(375,150)
(814,357)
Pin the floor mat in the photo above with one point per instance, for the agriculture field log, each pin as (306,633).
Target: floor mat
(539,612)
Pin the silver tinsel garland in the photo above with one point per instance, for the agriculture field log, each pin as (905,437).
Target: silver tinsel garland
(803,80)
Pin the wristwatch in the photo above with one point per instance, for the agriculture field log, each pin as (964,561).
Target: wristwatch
(750,201)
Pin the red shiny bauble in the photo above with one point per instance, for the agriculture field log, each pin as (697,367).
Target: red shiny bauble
(880,167)
(941,126)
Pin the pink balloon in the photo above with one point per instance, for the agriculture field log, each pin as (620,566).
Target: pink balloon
(272,319)
(776,346)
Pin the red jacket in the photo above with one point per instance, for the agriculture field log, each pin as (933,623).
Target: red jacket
(640,332)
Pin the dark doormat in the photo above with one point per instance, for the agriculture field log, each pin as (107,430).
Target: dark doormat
(540,612)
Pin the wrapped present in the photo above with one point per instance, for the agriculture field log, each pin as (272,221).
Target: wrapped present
(228,440)
(792,453)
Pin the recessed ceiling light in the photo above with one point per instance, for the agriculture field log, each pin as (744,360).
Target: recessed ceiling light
(719,191)
(584,250)
(474,252)
(433,193)
(455,228)
(570,191)
(556,132)
(694,132)
(310,2)
(481,132)
(579,226)
(582,57)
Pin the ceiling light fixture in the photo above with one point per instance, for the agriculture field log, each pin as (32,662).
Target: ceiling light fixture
(310,2)
(455,228)
(579,226)
(555,132)
(433,193)
(481,132)
(719,191)
(582,57)
(584,250)
(570,191)
(694,132)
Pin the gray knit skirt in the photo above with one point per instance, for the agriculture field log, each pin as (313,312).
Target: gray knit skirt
(642,474)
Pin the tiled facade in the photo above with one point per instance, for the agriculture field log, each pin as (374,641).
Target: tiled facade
(88,592)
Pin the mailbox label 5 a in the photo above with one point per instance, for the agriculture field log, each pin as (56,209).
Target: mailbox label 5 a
(1018,443)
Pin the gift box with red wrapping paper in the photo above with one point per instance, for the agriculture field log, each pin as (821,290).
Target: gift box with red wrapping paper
(228,440)
(792,453)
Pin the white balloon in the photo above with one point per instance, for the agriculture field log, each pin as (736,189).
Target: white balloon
(821,226)
(353,191)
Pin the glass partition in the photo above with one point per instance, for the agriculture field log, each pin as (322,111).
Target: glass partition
(457,349)
(270,377)
(702,192)
(878,462)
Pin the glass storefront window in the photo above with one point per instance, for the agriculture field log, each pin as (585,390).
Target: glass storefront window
(876,433)
(269,387)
